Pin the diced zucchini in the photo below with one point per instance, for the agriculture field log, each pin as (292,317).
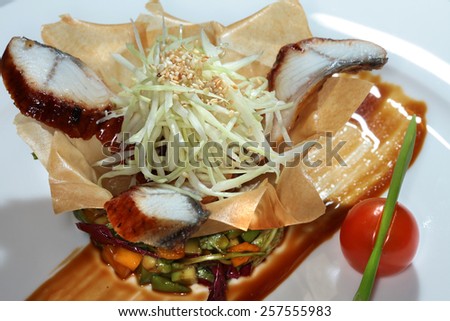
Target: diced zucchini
(234,242)
(215,242)
(205,273)
(145,276)
(176,266)
(163,266)
(250,235)
(231,234)
(163,284)
(79,215)
(186,276)
(149,262)
(193,246)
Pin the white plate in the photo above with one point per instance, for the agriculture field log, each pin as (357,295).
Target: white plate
(33,241)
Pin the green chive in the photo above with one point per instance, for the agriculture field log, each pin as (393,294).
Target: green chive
(404,158)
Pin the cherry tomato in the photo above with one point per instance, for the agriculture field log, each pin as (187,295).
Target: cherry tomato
(359,230)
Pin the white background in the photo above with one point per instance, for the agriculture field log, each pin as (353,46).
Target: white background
(33,241)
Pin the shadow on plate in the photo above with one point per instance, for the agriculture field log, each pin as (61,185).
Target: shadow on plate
(33,242)
(4,2)
(29,216)
(403,286)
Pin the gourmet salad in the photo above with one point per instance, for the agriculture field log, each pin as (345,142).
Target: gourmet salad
(180,153)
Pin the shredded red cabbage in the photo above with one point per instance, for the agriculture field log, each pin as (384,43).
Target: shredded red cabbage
(223,273)
(103,235)
(218,288)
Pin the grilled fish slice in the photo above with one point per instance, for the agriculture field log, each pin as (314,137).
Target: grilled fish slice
(302,67)
(156,216)
(54,87)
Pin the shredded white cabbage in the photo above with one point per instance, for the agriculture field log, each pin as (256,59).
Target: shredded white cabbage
(194,122)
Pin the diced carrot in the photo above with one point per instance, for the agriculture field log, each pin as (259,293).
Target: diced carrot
(237,261)
(242,248)
(108,252)
(170,254)
(127,258)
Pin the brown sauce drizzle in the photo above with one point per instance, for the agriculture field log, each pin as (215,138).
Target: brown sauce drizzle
(86,277)
(302,239)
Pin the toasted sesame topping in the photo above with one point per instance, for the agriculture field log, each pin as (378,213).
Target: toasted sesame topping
(185,68)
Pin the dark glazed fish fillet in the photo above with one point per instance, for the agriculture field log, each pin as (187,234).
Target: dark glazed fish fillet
(155,216)
(300,68)
(54,88)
